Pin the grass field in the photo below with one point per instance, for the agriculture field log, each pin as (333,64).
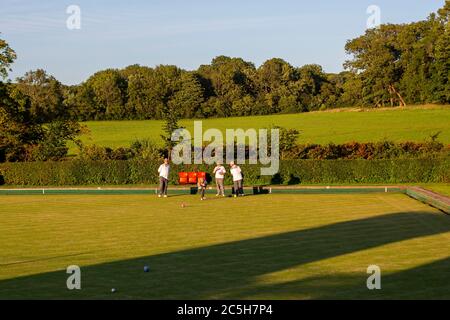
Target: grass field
(268,246)
(443,189)
(414,123)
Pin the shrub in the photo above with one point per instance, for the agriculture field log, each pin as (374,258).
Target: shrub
(95,153)
(371,150)
(146,149)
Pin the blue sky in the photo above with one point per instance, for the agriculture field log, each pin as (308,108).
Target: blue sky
(188,33)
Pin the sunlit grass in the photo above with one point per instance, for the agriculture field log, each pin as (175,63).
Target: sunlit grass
(443,189)
(412,123)
(269,246)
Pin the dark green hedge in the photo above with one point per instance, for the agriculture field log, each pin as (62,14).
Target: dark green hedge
(82,172)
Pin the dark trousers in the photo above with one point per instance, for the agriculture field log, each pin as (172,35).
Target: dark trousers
(163,184)
(238,187)
(202,192)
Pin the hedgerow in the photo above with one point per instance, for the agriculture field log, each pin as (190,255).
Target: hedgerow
(141,171)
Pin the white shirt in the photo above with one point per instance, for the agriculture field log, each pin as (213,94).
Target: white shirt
(237,173)
(220,172)
(164,171)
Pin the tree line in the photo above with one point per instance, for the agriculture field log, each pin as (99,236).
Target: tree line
(392,65)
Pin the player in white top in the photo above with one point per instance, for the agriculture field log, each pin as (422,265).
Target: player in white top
(236,172)
(219,172)
(163,171)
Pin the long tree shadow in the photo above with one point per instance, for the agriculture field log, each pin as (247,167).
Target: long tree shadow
(429,281)
(225,270)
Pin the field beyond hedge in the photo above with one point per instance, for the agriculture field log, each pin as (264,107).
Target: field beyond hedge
(400,124)
(256,247)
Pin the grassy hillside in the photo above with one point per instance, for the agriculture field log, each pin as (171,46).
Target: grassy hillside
(416,123)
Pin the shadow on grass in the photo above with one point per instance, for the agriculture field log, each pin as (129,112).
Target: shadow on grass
(430,281)
(231,270)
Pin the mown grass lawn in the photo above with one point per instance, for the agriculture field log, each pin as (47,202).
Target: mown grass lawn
(412,123)
(261,247)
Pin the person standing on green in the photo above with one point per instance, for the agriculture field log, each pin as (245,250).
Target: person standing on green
(163,171)
(219,172)
(236,172)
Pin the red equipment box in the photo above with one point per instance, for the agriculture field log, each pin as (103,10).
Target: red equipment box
(183,178)
(190,177)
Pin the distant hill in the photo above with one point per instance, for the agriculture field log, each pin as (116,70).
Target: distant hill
(338,126)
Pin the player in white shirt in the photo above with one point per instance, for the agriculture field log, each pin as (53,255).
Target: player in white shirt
(219,172)
(163,171)
(236,172)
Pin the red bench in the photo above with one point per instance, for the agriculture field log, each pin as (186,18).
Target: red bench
(190,177)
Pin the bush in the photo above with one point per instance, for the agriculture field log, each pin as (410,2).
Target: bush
(368,151)
(142,171)
(146,149)
(139,149)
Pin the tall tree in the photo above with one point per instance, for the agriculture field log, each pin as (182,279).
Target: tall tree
(164,84)
(189,98)
(441,75)
(377,60)
(41,94)
(231,80)
(7,57)
(311,79)
(171,115)
(274,78)
(140,85)
(32,119)
(109,88)
(80,103)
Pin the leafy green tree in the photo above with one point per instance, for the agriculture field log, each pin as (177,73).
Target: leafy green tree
(404,64)
(16,137)
(287,140)
(351,89)
(441,74)
(40,94)
(189,98)
(165,83)
(377,59)
(274,81)
(53,145)
(7,57)
(244,106)
(80,103)
(109,89)
(140,85)
(32,116)
(231,80)
(15,134)
(309,85)
(275,73)
(171,116)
